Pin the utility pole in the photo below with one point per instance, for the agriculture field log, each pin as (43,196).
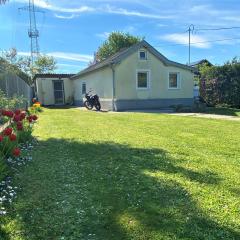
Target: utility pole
(190,30)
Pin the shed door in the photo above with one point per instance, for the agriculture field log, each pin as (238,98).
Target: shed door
(58,89)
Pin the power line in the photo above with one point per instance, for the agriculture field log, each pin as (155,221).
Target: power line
(191,30)
(216,29)
(192,43)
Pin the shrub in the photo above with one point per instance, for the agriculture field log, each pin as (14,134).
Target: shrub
(11,103)
(19,131)
(221,84)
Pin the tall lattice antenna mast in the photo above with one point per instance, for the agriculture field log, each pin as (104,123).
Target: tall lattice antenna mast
(33,32)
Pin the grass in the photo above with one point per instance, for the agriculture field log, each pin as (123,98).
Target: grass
(129,176)
(224,111)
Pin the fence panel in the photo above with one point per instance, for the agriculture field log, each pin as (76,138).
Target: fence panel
(12,85)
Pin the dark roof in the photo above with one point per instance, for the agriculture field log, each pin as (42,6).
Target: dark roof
(52,75)
(193,64)
(123,53)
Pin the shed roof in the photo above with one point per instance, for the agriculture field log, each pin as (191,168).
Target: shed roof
(53,75)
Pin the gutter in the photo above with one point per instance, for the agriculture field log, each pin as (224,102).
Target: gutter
(113,86)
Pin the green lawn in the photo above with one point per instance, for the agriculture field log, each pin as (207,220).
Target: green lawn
(129,176)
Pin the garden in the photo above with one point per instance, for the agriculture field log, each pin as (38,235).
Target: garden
(127,176)
(16,141)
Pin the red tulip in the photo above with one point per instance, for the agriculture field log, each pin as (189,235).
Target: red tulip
(12,137)
(19,126)
(16,152)
(30,119)
(7,131)
(1,138)
(17,118)
(17,112)
(22,116)
(9,114)
(34,117)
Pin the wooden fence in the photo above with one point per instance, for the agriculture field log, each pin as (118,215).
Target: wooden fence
(13,85)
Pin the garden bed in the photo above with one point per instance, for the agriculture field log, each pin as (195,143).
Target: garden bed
(15,142)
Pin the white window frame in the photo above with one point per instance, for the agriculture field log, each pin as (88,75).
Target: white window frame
(148,79)
(82,87)
(178,81)
(146,56)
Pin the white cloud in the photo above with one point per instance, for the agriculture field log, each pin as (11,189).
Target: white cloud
(232,18)
(182,38)
(71,56)
(103,35)
(122,11)
(161,25)
(66,56)
(102,9)
(68,65)
(65,17)
(127,29)
(46,5)
(26,54)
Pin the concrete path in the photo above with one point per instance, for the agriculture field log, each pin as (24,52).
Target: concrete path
(205,115)
(171,112)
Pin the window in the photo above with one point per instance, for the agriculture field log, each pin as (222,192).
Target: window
(142,79)
(84,88)
(173,82)
(142,55)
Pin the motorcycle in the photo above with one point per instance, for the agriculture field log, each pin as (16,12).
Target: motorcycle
(92,100)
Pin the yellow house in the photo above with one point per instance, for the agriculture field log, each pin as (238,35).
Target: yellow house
(138,77)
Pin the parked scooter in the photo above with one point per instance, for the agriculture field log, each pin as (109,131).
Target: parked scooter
(92,100)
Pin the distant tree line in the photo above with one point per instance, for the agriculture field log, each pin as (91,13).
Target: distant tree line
(220,85)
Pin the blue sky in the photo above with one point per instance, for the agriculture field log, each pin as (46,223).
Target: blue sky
(72,30)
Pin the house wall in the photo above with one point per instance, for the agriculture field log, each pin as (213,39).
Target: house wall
(158,95)
(100,82)
(45,90)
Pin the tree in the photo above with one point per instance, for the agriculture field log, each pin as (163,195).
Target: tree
(21,65)
(12,63)
(44,64)
(115,42)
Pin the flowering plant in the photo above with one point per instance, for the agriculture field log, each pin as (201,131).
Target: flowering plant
(19,130)
(36,107)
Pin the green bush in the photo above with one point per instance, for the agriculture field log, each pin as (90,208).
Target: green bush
(220,85)
(11,103)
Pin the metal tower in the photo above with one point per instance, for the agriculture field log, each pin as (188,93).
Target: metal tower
(33,32)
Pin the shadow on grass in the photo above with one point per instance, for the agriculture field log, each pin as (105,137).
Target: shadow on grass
(110,191)
(60,107)
(223,111)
